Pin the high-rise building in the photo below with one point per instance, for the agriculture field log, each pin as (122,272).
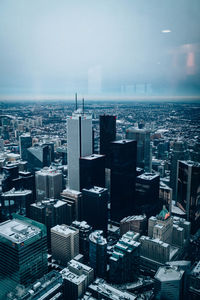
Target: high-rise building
(48,183)
(64,243)
(84,232)
(123,173)
(79,144)
(50,212)
(169,283)
(107,135)
(94,208)
(16,202)
(73,199)
(10,172)
(23,253)
(142,136)
(178,153)
(147,194)
(188,192)
(124,259)
(25,142)
(165,196)
(92,171)
(38,157)
(97,253)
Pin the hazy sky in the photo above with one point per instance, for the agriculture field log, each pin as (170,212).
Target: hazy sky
(99,47)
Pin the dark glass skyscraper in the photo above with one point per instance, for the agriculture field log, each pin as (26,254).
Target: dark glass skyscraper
(188,191)
(94,208)
(92,171)
(25,142)
(123,173)
(147,194)
(107,135)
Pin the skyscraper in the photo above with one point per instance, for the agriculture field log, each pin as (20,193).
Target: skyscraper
(147,194)
(107,135)
(25,142)
(188,192)
(79,144)
(178,153)
(73,199)
(92,171)
(97,253)
(142,136)
(123,173)
(38,156)
(48,183)
(64,243)
(94,208)
(22,240)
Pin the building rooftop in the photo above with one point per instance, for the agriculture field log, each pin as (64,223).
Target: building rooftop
(64,229)
(148,176)
(92,156)
(168,273)
(13,192)
(97,237)
(70,276)
(121,142)
(48,171)
(133,218)
(96,189)
(47,202)
(18,231)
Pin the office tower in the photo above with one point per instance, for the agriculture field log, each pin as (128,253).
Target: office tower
(188,196)
(10,172)
(124,259)
(123,173)
(76,278)
(99,289)
(147,194)
(38,157)
(165,196)
(178,153)
(73,199)
(22,240)
(50,212)
(107,135)
(92,171)
(79,144)
(142,136)
(169,283)
(84,232)
(50,286)
(133,223)
(48,183)
(16,202)
(161,226)
(154,250)
(25,142)
(51,149)
(94,208)
(64,243)
(97,253)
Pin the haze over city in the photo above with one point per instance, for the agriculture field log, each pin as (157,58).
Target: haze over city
(99,48)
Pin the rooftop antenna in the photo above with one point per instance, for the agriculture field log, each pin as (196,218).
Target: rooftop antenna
(76,106)
(83,106)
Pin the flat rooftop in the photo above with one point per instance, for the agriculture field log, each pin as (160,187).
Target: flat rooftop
(96,189)
(18,231)
(92,156)
(121,142)
(76,279)
(148,176)
(64,229)
(13,192)
(168,274)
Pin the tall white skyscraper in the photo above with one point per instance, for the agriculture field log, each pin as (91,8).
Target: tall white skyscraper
(79,144)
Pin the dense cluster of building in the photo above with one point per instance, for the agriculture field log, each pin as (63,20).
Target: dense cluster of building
(105,207)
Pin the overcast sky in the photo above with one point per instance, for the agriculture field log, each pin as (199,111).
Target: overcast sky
(99,47)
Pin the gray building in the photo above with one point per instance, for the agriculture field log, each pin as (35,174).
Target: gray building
(64,243)
(79,144)
(144,155)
